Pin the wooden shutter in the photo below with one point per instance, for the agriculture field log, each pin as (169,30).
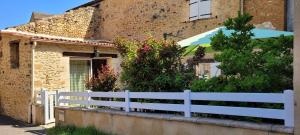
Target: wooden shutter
(204,9)
(194,10)
(14,54)
(1,49)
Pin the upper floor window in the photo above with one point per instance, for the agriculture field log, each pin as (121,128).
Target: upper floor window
(200,9)
(1,50)
(14,54)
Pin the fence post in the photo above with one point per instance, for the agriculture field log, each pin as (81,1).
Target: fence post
(56,98)
(289,108)
(42,96)
(127,101)
(187,103)
(45,97)
(89,99)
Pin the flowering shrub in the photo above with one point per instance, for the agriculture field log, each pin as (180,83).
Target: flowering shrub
(105,81)
(151,65)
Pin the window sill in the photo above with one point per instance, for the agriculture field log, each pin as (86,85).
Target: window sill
(202,19)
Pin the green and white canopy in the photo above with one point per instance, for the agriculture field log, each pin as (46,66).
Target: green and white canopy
(204,39)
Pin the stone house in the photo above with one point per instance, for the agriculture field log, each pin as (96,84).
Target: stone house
(50,50)
(175,20)
(30,62)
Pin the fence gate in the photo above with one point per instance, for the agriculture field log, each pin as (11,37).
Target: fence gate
(49,101)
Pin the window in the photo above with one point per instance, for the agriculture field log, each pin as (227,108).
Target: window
(14,54)
(82,70)
(200,9)
(208,70)
(79,73)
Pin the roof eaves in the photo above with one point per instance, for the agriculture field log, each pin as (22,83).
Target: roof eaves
(60,40)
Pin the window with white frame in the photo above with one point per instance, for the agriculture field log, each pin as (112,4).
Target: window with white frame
(81,70)
(200,9)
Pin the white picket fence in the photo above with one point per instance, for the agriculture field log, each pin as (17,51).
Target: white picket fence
(286,98)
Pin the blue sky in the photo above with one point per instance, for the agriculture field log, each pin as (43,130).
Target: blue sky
(16,12)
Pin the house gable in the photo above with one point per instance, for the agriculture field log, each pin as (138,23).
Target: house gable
(78,23)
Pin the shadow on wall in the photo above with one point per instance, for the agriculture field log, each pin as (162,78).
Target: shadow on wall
(94,26)
(1,109)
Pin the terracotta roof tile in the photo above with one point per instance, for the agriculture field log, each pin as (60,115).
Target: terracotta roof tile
(58,39)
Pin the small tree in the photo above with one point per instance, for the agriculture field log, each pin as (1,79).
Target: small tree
(248,65)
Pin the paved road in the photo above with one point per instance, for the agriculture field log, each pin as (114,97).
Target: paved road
(10,126)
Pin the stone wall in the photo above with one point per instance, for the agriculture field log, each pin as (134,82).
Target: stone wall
(136,19)
(51,68)
(15,84)
(121,123)
(267,11)
(78,23)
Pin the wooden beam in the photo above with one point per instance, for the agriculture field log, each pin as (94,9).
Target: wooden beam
(89,55)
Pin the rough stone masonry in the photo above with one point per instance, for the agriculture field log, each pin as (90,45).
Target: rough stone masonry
(137,19)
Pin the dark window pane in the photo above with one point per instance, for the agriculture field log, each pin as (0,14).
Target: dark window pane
(97,66)
(14,54)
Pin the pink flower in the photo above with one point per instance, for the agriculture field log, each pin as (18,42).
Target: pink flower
(146,48)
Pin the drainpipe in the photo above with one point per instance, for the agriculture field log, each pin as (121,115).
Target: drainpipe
(31,109)
(242,6)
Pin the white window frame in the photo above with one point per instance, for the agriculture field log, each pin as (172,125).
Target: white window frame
(91,65)
(91,62)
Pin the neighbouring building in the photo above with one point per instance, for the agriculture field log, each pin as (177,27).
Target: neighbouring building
(58,51)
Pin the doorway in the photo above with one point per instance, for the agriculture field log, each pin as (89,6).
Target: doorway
(97,66)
